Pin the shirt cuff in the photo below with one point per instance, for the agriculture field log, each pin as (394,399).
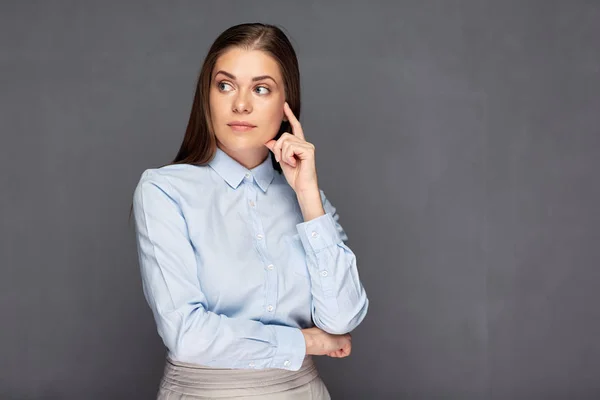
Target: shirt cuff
(291,348)
(318,233)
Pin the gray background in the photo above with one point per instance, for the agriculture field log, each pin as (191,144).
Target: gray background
(459,140)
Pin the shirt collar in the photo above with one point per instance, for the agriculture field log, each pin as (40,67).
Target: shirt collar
(233,172)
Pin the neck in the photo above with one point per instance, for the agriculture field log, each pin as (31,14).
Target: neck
(248,158)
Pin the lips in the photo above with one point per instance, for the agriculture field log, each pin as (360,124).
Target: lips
(241,126)
(241,123)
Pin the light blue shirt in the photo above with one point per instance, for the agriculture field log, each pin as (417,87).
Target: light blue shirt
(232,272)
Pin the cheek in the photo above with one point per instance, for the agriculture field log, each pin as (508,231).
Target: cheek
(273,123)
(212,105)
(217,104)
(273,114)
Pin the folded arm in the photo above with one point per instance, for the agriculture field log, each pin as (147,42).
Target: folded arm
(171,288)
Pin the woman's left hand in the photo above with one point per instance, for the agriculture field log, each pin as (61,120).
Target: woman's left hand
(296,156)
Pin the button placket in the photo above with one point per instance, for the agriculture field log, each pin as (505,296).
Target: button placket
(270,299)
(252,210)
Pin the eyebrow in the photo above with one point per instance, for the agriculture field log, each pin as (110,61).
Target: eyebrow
(256,78)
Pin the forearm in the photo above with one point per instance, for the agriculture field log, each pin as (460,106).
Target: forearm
(339,299)
(195,335)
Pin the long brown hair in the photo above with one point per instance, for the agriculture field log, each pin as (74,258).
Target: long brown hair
(199,143)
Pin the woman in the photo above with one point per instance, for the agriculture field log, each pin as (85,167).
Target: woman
(242,257)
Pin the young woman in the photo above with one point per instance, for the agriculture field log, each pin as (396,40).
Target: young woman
(242,257)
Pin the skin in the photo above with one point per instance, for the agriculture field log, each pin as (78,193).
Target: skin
(258,102)
(236,95)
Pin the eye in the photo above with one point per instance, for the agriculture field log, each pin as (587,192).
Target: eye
(221,84)
(264,87)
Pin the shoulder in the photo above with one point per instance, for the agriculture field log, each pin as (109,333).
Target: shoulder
(172,179)
(176,174)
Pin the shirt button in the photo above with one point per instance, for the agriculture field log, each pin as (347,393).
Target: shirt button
(248,175)
(324,273)
(270,308)
(270,266)
(251,203)
(287,363)
(314,234)
(259,236)
(251,365)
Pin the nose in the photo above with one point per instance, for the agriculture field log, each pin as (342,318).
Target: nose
(242,103)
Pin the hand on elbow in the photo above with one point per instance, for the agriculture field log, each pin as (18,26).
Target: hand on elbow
(319,343)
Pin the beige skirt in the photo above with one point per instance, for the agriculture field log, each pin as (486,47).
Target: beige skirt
(191,381)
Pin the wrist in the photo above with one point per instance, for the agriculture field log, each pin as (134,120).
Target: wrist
(310,204)
(309,194)
(309,341)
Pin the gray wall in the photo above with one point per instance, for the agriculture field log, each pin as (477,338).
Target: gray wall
(459,140)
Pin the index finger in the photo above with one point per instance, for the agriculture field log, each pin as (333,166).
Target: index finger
(296,127)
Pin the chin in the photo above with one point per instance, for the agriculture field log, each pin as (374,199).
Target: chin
(238,144)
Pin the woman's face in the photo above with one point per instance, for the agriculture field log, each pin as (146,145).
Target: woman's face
(246,86)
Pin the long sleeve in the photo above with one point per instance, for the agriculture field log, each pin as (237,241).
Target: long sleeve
(339,300)
(170,285)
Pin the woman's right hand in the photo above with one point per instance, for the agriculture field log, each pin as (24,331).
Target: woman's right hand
(319,343)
